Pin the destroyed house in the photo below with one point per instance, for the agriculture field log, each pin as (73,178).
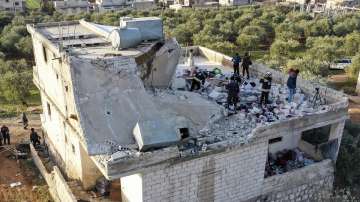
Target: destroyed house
(116,104)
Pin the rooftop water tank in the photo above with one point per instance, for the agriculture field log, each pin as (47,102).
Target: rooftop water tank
(151,28)
(125,37)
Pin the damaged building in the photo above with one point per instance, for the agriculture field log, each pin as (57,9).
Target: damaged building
(116,105)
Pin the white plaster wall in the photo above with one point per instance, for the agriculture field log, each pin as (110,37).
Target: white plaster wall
(230,176)
(53,76)
(67,148)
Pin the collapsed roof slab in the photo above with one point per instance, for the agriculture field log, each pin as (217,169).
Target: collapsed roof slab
(110,99)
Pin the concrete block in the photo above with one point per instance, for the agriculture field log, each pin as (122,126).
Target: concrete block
(155,134)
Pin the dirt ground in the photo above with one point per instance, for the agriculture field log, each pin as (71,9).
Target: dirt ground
(339,81)
(33,187)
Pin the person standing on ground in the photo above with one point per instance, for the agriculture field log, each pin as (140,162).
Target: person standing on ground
(265,88)
(233,93)
(291,83)
(236,63)
(5,134)
(245,65)
(1,138)
(25,120)
(34,137)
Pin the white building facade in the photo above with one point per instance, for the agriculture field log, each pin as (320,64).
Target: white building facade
(13,5)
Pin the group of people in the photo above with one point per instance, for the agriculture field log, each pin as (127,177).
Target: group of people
(233,85)
(199,80)
(245,63)
(5,136)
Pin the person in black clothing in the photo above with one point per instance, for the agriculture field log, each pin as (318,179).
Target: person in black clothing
(5,134)
(233,91)
(291,83)
(199,78)
(245,65)
(25,120)
(34,137)
(265,88)
(236,63)
(1,139)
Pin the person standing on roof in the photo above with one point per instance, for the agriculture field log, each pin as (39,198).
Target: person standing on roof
(233,92)
(265,88)
(245,65)
(198,79)
(236,63)
(291,83)
(5,132)
(191,58)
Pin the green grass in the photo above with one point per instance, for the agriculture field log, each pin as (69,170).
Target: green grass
(10,109)
(33,4)
(348,86)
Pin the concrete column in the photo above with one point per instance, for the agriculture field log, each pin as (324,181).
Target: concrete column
(336,132)
(132,188)
(90,172)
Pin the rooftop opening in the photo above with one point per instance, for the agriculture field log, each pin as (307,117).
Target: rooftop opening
(184,132)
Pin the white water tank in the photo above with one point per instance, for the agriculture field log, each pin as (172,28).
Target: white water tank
(125,37)
(151,28)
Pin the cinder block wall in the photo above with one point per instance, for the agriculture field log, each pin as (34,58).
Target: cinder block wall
(235,175)
(310,183)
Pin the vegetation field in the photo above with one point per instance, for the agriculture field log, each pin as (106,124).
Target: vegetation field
(33,4)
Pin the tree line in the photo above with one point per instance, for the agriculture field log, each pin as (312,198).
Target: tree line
(275,35)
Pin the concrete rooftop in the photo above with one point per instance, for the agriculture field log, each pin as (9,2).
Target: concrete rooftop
(114,90)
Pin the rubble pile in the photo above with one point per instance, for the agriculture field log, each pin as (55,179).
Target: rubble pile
(214,88)
(235,126)
(232,126)
(286,160)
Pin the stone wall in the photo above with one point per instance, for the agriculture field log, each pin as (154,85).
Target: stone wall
(234,175)
(305,184)
(58,187)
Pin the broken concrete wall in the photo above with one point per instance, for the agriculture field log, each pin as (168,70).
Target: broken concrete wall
(310,183)
(159,65)
(111,99)
(187,104)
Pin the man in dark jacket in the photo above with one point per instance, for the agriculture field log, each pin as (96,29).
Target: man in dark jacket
(5,134)
(265,88)
(233,92)
(25,121)
(291,83)
(1,139)
(34,137)
(245,65)
(198,80)
(236,63)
